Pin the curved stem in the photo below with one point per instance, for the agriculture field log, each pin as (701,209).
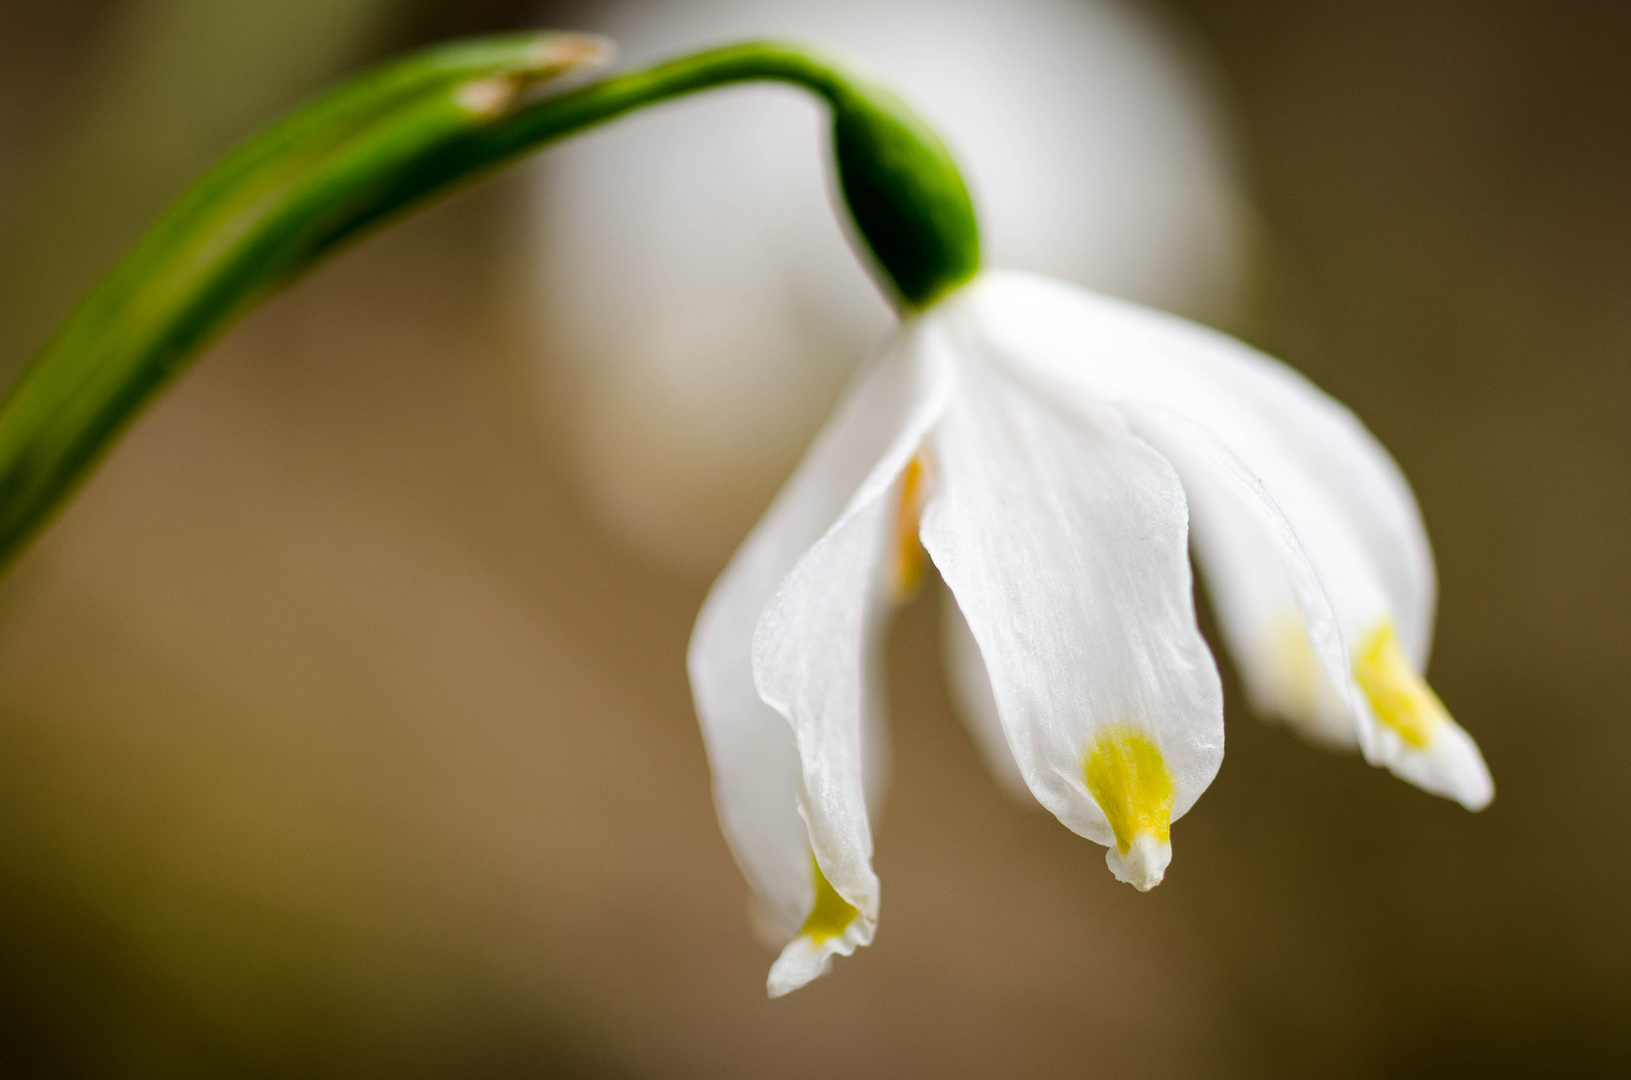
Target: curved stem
(900,184)
(389,139)
(612,97)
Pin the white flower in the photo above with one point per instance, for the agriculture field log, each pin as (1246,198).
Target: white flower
(1048,447)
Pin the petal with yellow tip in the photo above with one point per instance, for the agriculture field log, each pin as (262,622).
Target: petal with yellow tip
(840,492)
(1128,778)
(830,929)
(1330,484)
(1063,539)
(1419,741)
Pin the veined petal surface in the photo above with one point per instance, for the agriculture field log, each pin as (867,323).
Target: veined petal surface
(1064,539)
(815,655)
(1326,476)
(1268,598)
(751,748)
(970,686)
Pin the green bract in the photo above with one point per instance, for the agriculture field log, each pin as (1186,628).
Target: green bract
(387,139)
(906,195)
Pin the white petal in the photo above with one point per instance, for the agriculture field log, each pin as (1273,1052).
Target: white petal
(976,704)
(751,748)
(1064,538)
(1268,598)
(815,654)
(1343,497)
(1338,457)
(1283,428)
(1356,517)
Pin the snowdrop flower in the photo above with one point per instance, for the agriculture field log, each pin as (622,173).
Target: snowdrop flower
(1043,447)
(1047,449)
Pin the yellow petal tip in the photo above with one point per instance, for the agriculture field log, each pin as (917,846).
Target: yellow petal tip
(1432,751)
(1127,776)
(909,560)
(830,914)
(826,932)
(1398,695)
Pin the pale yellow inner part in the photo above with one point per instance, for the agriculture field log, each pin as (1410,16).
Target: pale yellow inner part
(1297,675)
(1129,780)
(1398,696)
(909,559)
(831,914)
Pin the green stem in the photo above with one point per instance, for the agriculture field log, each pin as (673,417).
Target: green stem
(900,184)
(389,139)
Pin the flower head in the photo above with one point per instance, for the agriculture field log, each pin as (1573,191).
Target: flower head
(1049,448)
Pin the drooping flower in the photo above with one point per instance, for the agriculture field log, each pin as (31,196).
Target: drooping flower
(1043,447)
(1048,448)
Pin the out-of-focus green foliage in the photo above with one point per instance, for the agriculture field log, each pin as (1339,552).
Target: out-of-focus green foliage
(386,139)
(258,218)
(169,87)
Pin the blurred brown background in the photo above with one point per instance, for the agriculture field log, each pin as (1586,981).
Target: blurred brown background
(337,739)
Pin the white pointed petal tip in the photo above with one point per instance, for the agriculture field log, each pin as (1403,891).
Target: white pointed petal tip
(834,927)
(1415,737)
(1143,864)
(805,959)
(1450,766)
(809,955)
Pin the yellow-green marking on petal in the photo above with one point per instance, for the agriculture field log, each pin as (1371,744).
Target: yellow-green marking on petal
(1398,695)
(831,914)
(1129,780)
(910,560)
(1295,669)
